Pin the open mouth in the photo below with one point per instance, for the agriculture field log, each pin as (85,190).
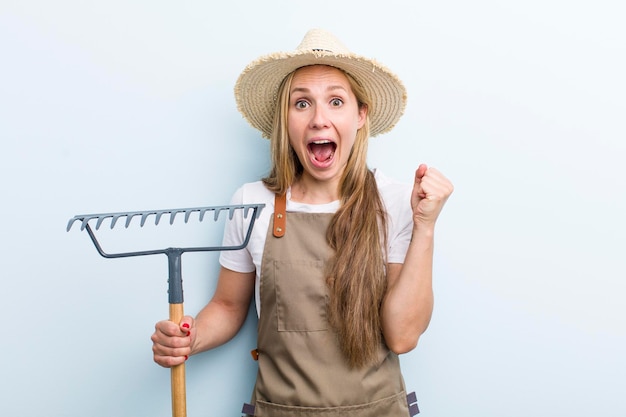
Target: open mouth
(322,150)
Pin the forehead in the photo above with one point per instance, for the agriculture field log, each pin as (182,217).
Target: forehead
(323,74)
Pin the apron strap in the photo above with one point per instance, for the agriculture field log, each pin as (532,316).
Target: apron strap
(248,409)
(280,215)
(411,400)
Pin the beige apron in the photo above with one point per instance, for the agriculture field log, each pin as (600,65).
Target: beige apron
(302,371)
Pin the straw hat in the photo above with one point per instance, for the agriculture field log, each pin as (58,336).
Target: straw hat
(256,90)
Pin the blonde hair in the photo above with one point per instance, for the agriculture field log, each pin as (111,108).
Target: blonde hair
(356,273)
(286,166)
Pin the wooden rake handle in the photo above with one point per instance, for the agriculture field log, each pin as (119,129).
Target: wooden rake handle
(179,396)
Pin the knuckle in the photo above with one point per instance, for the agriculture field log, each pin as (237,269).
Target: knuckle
(172,361)
(173,342)
(180,342)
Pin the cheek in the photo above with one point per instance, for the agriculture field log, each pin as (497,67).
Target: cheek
(348,145)
(294,143)
(293,126)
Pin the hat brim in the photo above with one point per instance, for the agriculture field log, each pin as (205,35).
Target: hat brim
(256,90)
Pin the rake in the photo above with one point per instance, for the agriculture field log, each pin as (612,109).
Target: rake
(175,282)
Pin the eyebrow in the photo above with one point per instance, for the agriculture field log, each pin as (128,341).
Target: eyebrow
(306,90)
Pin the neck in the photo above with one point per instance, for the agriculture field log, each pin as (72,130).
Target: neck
(310,191)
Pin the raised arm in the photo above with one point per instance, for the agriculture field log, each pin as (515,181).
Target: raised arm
(408,303)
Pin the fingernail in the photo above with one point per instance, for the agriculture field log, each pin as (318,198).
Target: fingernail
(186,357)
(186,325)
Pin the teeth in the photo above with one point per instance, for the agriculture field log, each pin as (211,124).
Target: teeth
(321,142)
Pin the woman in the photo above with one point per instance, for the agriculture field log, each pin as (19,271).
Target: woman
(340,259)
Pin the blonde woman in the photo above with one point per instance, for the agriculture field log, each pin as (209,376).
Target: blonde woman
(340,261)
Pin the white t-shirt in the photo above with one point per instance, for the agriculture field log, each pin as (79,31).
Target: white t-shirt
(396,197)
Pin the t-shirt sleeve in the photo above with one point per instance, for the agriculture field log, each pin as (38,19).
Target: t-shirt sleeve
(399,244)
(400,227)
(234,234)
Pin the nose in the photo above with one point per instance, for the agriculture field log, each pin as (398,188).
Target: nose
(319,118)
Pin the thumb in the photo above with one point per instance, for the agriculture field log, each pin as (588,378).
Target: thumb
(419,174)
(421,171)
(186,324)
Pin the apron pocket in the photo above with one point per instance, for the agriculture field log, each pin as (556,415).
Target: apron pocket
(301,296)
(394,406)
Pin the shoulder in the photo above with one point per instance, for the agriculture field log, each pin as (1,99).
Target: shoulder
(391,190)
(252,193)
(396,197)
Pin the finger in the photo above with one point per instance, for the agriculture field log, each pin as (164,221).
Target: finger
(169,361)
(436,175)
(435,185)
(175,346)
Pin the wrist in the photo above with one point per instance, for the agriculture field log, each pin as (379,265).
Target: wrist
(423,230)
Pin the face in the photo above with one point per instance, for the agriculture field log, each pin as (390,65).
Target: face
(323,119)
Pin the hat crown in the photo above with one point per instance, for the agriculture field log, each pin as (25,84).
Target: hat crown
(323,41)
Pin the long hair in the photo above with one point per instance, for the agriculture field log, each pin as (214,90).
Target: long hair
(356,273)
(286,166)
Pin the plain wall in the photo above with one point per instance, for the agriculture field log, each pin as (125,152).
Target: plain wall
(128,105)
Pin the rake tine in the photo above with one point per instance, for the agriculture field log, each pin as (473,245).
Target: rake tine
(84,223)
(245,212)
(99,222)
(187,214)
(158,217)
(173,214)
(115,219)
(144,217)
(202,213)
(231,213)
(129,218)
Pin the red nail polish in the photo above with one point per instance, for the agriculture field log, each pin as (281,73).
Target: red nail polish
(186,357)
(186,325)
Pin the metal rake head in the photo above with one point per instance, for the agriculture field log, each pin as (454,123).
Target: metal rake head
(100,218)
(85,220)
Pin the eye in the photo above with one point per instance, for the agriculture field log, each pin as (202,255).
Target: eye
(336,102)
(301,104)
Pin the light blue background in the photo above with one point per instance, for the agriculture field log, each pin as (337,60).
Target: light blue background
(128,105)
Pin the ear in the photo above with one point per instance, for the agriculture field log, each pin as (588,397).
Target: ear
(362,115)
